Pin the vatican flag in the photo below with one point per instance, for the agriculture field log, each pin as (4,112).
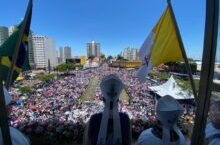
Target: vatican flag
(161,46)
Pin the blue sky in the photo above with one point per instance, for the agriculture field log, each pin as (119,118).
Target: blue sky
(116,24)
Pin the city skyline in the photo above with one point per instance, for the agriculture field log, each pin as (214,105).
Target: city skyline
(114,24)
(6,31)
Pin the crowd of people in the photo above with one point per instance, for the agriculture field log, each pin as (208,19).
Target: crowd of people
(54,108)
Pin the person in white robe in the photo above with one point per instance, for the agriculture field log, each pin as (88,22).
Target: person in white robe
(109,127)
(166,132)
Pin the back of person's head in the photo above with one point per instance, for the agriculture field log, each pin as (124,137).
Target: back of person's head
(111,87)
(214,114)
(168,112)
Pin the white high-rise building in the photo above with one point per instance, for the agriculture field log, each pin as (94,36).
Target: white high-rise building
(65,53)
(39,51)
(3,34)
(51,51)
(130,53)
(44,50)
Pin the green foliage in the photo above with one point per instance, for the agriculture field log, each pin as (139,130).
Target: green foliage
(90,90)
(65,67)
(119,57)
(186,85)
(191,60)
(46,77)
(180,67)
(25,89)
(102,56)
(109,57)
(161,75)
(92,57)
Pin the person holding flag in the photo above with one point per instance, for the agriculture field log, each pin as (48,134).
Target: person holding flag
(13,60)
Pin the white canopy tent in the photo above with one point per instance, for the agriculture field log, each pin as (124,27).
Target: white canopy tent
(173,89)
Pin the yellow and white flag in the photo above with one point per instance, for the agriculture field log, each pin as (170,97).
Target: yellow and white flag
(161,46)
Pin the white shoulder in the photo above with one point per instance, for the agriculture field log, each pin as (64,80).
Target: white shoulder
(147,138)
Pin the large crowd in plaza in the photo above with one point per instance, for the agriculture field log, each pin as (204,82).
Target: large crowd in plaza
(55,109)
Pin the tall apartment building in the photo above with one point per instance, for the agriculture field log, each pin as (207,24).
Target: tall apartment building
(3,34)
(58,57)
(51,51)
(44,50)
(31,50)
(65,53)
(93,49)
(130,53)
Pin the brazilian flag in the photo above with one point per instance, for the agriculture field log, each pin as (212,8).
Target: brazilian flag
(7,50)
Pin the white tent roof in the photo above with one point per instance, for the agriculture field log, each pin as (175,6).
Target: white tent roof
(172,88)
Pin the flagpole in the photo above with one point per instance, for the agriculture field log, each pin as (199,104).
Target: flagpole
(183,52)
(18,43)
(3,115)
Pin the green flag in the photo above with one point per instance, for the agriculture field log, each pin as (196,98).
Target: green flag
(7,50)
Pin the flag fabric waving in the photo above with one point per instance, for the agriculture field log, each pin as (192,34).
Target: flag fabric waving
(7,50)
(161,46)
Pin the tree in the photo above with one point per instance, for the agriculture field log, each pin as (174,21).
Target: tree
(161,75)
(191,60)
(119,57)
(102,56)
(109,57)
(180,67)
(91,57)
(65,67)
(46,77)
